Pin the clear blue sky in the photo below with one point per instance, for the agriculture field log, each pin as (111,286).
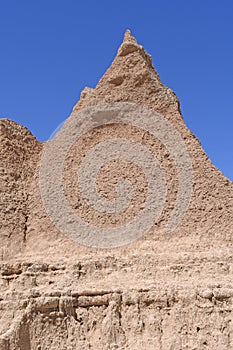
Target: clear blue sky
(51,49)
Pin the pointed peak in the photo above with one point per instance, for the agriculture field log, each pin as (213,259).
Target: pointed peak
(129,44)
(129,38)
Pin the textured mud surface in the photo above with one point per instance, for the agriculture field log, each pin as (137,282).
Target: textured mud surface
(163,291)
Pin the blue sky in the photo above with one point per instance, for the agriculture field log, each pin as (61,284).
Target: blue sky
(51,49)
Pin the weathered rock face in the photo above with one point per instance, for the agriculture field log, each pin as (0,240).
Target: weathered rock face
(164,291)
(18,154)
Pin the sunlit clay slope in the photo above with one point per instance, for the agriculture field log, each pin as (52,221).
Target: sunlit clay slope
(164,290)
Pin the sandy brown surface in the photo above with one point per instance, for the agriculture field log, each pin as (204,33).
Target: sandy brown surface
(164,291)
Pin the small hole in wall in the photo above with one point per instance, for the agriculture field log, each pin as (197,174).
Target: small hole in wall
(198,329)
(117,80)
(80,320)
